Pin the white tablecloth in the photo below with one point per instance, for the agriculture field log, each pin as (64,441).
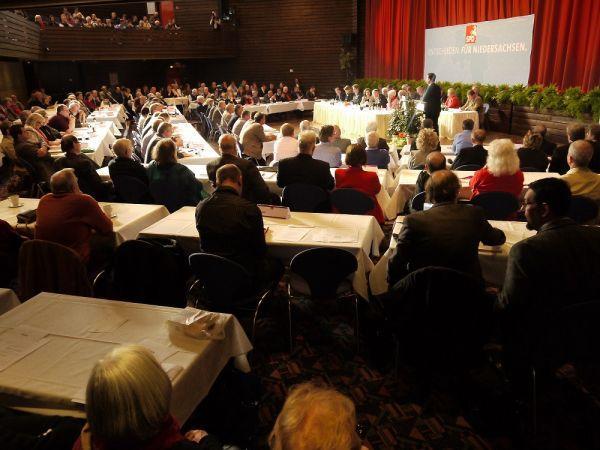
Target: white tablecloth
(181,225)
(81,330)
(492,259)
(129,221)
(174,101)
(200,151)
(281,107)
(450,122)
(8,300)
(114,115)
(351,119)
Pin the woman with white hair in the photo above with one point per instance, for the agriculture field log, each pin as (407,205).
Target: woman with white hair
(138,418)
(501,173)
(427,141)
(392,97)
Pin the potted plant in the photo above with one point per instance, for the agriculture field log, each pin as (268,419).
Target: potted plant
(405,123)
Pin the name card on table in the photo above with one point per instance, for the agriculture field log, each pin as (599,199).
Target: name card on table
(277,212)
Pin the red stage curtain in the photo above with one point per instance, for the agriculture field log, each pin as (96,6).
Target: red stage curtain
(566,36)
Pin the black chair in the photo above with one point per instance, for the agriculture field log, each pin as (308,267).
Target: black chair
(322,274)
(531,169)
(417,202)
(225,286)
(583,210)
(164,192)
(131,190)
(351,201)
(497,205)
(303,197)
(419,167)
(473,167)
(150,271)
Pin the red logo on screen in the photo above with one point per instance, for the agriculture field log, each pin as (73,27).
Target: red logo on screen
(471,34)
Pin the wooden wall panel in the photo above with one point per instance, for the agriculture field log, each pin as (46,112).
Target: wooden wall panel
(19,38)
(102,44)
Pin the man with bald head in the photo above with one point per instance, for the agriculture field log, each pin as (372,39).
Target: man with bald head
(446,235)
(580,177)
(254,187)
(434,161)
(68,217)
(338,141)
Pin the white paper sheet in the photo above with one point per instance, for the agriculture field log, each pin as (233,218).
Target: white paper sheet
(161,352)
(289,234)
(336,235)
(19,342)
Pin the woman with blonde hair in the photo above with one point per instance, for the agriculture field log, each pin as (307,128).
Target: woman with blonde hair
(315,418)
(128,397)
(367,99)
(531,154)
(452,100)
(501,173)
(427,141)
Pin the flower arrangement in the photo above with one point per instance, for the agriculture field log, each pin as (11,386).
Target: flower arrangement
(405,123)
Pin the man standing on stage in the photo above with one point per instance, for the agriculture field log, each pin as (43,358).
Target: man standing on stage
(433,101)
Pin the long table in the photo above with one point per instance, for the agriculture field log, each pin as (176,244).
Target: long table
(360,235)
(450,122)
(281,107)
(351,119)
(129,218)
(115,114)
(69,334)
(492,259)
(199,151)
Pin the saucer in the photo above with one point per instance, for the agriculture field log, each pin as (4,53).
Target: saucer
(18,206)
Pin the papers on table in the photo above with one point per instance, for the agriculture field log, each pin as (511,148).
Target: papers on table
(288,233)
(16,343)
(278,212)
(336,235)
(194,323)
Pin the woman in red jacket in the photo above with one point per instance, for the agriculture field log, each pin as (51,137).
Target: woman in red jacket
(354,177)
(452,101)
(501,173)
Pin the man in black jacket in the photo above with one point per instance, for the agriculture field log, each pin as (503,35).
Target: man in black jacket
(254,188)
(575,132)
(303,168)
(476,154)
(547,147)
(593,137)
(433,101)
(232,227)
(447,235)
(124,164)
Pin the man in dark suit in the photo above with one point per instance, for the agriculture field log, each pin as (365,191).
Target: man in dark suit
(356,96)
(476,154)
(254,188)
(575,132)
(124,164)
(433,101)
(547,147)
(340,96)
(447,235)
(303,168)
(593,136)
(349,96)
(232,227)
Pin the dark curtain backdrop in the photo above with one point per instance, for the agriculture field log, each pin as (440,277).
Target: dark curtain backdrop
(566,35)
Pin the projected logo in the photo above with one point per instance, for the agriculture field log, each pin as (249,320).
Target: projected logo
(471,34)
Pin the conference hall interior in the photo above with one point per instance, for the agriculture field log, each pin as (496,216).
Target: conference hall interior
(299,224)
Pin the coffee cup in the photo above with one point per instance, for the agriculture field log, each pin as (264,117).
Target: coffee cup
(14,200)
(108,210)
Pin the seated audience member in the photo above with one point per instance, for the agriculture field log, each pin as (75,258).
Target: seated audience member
(376,156)
(427,123)
(7,144)
(392,99)
(557,267)
(593,137)
(547,147)
(326,151)
(63,121)
(77,113)
(150,137)
(232,227)
(33,147)
(10,244)
(558,163)
(427,141)
(139,416)
(531,154)
(452,100)
(580,178)
(305,126)
(356,97)
(339,96)
(252,138)
(338,141)
(217,114)
(311,94)
(361,141)
(446,235)
(124,164)
(164,131)
(463,139)
(227,115)
(239,124)
(433,162)
(287,145)
(68,217)
(477,154)
(501,173)
(52,134)
(315,418)
(379,101)
(355,177)
(474,103)
(303,168)
(184,189)
(349,96)
(85,169)
(254,189)
(237,113)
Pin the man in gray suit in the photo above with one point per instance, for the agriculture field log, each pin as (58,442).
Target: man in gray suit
(338,141)
(447,235)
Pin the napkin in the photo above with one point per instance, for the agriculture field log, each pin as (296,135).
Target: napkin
(198,324)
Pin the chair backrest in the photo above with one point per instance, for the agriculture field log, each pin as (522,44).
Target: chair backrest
(304,197)
(469,167)
(583,210)
(323,269)
(224,282)
(46,266)
(417,202)
(351,201)
(131,190)
(167,192)
(419,167)
(530,169)
(486,108)
(497,205)
(150,271)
